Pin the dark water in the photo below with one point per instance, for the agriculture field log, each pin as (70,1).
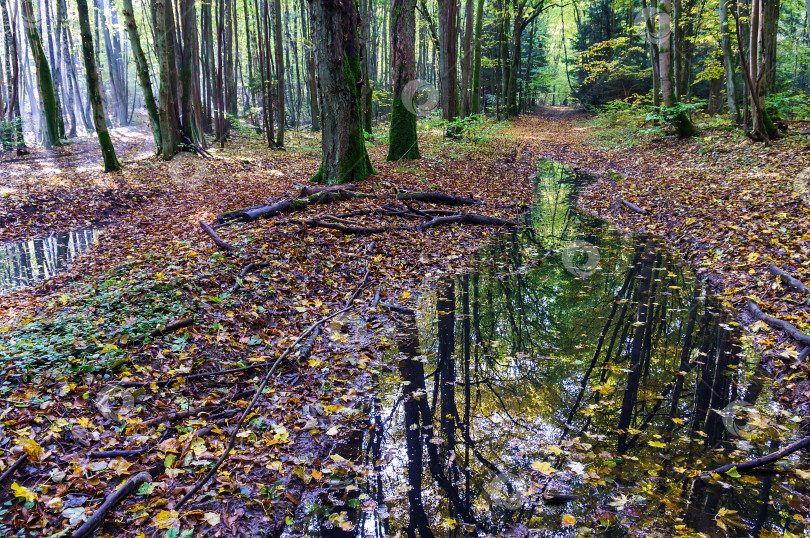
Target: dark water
(27,262)
(546,394)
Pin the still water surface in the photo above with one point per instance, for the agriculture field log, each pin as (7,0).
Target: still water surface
(573,383)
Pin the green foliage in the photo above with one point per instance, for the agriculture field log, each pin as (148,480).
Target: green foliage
(790,106)
(86,330)
(669,115)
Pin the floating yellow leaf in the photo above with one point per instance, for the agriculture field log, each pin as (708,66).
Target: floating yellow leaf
(569,520)
(657,444)
(543,467)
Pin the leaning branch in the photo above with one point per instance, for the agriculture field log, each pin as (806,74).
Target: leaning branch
(217,241)
(764,460)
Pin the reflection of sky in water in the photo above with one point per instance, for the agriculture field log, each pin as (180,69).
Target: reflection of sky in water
(551,360)
(27,262)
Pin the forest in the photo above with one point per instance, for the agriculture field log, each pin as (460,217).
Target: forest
(406,268)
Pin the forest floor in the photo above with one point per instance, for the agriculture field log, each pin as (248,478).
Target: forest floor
(731,207)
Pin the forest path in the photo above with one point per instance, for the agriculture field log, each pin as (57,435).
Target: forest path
(100,324)
(729,206)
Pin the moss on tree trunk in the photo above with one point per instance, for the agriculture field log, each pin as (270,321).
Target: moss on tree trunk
(402,135)
(337,54)
(50,103)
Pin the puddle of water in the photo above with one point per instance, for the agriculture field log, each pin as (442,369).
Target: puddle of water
(567,386)
(27,262)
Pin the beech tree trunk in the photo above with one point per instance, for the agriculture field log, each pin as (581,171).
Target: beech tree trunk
(107,149)
(402,138)
(169,111)
(448,54)
(681,122)
(50,103)
(476,84)
(729,63)
(337,56)
(279,75)
(12,65)
(142,70)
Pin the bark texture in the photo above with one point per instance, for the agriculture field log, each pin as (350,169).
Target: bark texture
(402,139)
(337,57)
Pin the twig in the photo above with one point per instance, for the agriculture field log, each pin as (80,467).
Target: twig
(792,331)
(232,442)
(764,460)
(110,502)
(243,273)
(217,241)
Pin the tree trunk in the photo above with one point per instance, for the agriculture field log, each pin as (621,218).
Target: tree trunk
(448,55)
(476,84)
(312,82)
(279,75)
(681,121)
(466,64)
(12,65)
(192,103)
(729,63)
(50,103)
(402,138)
(107,150)
(337,55)
(169,111)
(366,89)
(142,69)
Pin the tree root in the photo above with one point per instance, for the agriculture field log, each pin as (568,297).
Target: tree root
(788,280)
(792,331)
(764,460)
(13,469)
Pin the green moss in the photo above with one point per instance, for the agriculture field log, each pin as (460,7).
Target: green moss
(298,204)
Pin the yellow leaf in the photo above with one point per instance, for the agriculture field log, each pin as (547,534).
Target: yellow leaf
(657,444)
(212,518)
(337,458)
(166,519)
(753,257)
(569,520)
(544,467)
(32,448)
(23,492)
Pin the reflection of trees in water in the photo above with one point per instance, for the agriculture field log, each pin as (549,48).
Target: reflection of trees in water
(521,357)
(26,262)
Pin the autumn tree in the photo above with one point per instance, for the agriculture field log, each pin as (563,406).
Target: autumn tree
(681,122)
(337,57)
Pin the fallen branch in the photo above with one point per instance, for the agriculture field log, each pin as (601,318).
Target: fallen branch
(764,460)
(11,470)
(110,502)
(348,230)
(437,197)
(635,208)
(466,218)
(217,241)
(170,327)
(792,331)
(788,280)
